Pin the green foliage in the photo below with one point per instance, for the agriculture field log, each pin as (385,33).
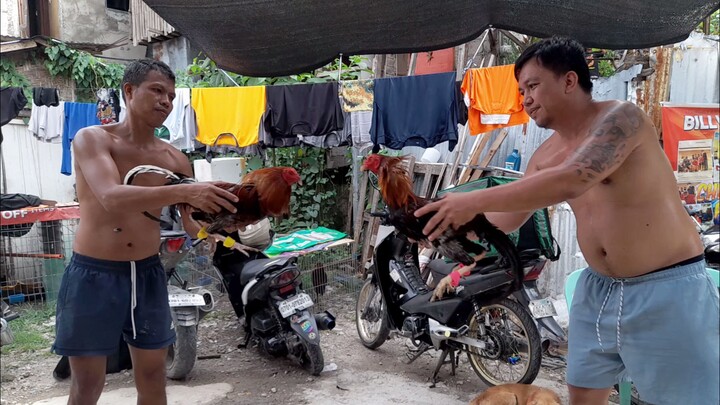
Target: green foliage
(206,73)
(713,24)
(315,202)
(10,77)
(88,72)
(32,330)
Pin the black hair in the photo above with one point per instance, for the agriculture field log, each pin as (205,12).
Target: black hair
(137,71)
(559,55)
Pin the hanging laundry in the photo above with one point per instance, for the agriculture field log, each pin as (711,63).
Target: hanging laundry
(360,121)
(46,123)
(493,99)
(234,110)
(187,141)
(175,122)
(77,117)
(331,140)
(357,95)
(266,140)
(46,96)
(108,106)
(415,111)
(303,109)
(460,101)
(12,100)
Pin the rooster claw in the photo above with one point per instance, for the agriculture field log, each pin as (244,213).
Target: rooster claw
(230,243)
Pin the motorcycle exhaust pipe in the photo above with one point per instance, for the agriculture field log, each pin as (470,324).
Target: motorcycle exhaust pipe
(325,321)
(209,300)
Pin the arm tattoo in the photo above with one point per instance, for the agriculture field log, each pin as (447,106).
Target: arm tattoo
(608,143)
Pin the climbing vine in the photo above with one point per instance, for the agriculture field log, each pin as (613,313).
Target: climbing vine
(89,72)
(10,77)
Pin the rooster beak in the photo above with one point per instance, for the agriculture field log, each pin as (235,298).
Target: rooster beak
(363,168)
(299,183)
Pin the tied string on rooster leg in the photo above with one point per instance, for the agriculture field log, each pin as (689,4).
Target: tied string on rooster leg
(227,241)
(447,284)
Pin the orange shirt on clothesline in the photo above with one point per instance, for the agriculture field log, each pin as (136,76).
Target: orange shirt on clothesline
(494,98)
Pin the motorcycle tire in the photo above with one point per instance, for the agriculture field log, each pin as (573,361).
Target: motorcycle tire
(182,354)
(372,343)
(313,360)
(534,346)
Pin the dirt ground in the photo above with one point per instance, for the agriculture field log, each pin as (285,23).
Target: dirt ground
(354,374)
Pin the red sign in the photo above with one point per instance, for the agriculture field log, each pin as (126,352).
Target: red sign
(440,61)
(39,214)
(681,125)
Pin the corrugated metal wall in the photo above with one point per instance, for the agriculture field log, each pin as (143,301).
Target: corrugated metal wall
(694,76)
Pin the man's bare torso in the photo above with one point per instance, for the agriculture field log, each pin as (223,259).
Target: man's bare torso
(128,235)
(633,221)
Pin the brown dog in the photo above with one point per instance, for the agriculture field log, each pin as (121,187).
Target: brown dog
(517,394)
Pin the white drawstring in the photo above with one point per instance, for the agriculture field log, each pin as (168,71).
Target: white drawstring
(133,295)
(602,307)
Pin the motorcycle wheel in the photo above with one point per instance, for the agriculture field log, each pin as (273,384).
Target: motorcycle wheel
(312,359)
(374,332)
(506,344)
(182,354)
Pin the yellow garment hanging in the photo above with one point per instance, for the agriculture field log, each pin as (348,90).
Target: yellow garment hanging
(235,110)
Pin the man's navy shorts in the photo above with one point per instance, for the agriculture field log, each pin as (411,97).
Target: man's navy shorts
(95,306)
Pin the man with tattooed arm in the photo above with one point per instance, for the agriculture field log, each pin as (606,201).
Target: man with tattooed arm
(645,308)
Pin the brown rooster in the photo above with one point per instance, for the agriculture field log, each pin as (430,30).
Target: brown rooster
(262,193)
(396,189)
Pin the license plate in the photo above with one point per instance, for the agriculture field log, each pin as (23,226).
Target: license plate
(296,303)
(542,308)
(186,300)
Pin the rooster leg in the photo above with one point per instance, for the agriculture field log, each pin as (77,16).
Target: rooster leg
(230,243)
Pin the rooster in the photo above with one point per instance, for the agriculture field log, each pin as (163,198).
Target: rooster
(262,193)
(396,189)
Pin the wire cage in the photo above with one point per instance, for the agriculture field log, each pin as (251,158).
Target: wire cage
(33,257)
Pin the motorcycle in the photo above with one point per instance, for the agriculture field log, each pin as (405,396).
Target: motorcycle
(542,309)
(188,305)
(498,335)
(275,312)
(6,315)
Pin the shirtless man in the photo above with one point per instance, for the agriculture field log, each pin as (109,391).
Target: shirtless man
(115,285)
(645,306)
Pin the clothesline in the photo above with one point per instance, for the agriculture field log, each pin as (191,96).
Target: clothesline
(393,112)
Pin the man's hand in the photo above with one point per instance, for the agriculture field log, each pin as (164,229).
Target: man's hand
(210,198)
(453,210)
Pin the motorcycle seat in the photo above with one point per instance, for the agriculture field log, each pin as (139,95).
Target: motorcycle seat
(256,267)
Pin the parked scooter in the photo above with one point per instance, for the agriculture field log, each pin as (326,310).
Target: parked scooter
(6,315)
(268,298)
(499,336)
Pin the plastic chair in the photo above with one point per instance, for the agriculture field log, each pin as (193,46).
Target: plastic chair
(571,282)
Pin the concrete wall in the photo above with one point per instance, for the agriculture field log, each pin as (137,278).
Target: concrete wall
(178,52)
(32,166)
(90,22)
(10,18)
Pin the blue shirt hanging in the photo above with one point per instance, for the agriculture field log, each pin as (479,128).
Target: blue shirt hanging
(415,111)
(77,117)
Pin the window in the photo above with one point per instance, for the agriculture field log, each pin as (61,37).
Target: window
(120,5)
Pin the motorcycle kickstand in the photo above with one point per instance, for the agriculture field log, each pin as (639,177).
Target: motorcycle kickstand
(441,362)
(245,343)
(412,356)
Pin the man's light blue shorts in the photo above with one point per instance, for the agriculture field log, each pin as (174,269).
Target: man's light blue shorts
(660,330)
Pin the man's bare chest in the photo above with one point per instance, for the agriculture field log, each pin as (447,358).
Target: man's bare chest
(126,159)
